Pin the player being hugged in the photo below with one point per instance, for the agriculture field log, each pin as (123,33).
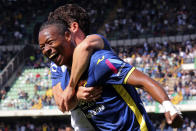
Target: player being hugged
(119,107)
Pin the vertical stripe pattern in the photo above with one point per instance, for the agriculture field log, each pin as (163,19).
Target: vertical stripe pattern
(130,102)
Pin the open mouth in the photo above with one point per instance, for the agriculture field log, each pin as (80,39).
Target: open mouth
(53,56)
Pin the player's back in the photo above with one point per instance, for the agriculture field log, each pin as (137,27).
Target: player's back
(119,107)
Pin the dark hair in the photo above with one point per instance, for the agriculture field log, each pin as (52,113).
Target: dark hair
(72,13)
(58,23)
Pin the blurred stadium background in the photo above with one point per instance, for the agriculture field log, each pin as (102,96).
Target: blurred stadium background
(156,36)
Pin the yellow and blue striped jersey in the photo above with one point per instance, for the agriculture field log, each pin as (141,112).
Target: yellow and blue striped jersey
(119,108)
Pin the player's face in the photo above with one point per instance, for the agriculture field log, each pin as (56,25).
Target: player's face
(55,46)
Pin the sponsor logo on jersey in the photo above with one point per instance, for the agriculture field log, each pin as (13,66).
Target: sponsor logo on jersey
(99,60)
(53,67)
(94,112)
(90,108)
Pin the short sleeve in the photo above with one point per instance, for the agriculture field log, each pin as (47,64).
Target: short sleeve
(106,43)
(109,68)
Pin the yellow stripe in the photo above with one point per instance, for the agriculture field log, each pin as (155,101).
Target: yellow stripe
(126,78)
(130,102)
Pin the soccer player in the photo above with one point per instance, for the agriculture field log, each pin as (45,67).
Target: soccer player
(77,21)
(119,107)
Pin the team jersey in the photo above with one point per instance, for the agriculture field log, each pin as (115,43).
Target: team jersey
(58,73)
(119,107)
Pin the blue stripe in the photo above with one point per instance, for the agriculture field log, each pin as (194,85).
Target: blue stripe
(115,61)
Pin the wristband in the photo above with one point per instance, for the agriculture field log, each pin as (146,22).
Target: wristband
(168,106)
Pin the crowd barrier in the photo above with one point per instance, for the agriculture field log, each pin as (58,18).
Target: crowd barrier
(15,62)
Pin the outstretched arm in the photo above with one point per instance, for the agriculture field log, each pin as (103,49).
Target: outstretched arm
(141,80)
(81,58)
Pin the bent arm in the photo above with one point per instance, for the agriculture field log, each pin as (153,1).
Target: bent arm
(81,94)
(141,80)
(59,95)
(81,57)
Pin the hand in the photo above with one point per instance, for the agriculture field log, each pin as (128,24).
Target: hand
(175,121)
(172,114)
(58,96)
(88,93)
(69,98)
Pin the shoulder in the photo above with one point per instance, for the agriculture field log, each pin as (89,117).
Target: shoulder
(57,70)
(100,39)
(94,36)
(100,57)
(59,74)
(53,67)
(97,36)
(105,53)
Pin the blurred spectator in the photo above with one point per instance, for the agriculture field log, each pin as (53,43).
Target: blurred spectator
(2,94)
(23,95)
(60,125)
(5,57)
(153,59)
(142,18)
(162,61)
(16,22)
(33,125)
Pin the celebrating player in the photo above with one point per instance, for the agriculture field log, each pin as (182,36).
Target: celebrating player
(77,21)
(119,107)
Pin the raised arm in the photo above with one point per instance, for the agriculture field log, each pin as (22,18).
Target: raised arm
(141,80)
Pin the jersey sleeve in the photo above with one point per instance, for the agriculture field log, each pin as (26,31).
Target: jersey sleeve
(106,43)
(109,68)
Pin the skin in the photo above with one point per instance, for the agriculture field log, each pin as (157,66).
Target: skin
(81,57)
(157,92)
(137,78)
(52,42)
(82,53)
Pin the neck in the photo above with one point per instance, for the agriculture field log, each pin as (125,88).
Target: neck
(79,37)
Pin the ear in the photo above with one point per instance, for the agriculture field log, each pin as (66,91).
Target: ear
(67,36)
(74,27)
